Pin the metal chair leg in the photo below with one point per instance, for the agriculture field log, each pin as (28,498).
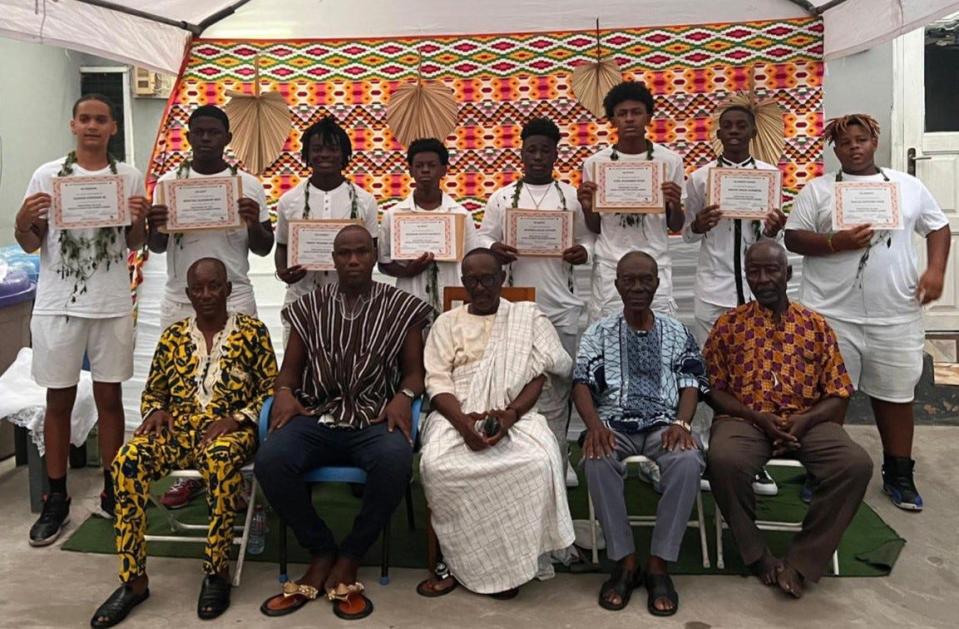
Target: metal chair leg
(245,539)
(592,528)
(385,563)
(702,529)
(835,563)
(720,560)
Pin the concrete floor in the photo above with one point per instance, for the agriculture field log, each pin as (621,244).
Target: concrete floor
(51,588)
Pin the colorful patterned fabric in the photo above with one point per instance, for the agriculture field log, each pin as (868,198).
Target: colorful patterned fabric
(635,377)
(782,367)
(235,376)
(500,82)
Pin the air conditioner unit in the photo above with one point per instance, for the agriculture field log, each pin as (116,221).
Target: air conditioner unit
(150,84)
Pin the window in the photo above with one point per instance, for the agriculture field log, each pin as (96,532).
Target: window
(114,84)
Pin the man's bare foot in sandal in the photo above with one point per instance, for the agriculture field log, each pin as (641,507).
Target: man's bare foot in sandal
(121,602)
(789,580)
(766,567)
(298,593)
(440,583)
(662,599)
(349,602)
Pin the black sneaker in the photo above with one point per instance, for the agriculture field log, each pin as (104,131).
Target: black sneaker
(897,483)
(54,517)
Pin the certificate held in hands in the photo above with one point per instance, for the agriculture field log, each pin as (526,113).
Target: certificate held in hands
(545,233)
(89,202)
(744,193)
(629,187)
(310,243)
(414,233)
(202,203)
(874,203)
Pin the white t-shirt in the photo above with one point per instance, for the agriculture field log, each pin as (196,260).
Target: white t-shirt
(106,293)
(885,292)
(232,246)
(333,204)
(447,273)
(715,273)
(550,276)
(615,240)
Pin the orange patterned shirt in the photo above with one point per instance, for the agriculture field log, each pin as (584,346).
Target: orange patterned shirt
(782,367)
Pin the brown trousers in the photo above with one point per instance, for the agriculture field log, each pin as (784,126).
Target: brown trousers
(737,452)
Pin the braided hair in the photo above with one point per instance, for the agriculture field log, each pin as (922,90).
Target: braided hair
(837,126)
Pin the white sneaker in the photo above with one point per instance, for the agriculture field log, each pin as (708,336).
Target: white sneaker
(764,485)
(572,480)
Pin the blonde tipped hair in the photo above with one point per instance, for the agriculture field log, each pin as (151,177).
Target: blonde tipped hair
(837,126)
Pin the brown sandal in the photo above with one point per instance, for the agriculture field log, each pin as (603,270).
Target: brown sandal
(349,603)
(425,587)
(300,593)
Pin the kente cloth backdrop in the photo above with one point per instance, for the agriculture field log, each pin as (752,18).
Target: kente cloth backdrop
(500,81)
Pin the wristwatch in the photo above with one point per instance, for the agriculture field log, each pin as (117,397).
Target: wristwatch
(408,392)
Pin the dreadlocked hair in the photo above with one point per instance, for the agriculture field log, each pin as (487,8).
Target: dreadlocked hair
(837,126)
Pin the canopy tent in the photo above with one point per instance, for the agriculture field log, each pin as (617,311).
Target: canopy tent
(155,34)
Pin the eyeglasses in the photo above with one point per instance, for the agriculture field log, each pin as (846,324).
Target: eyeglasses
(488,281)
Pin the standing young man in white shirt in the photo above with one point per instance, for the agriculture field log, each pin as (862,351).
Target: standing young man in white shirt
(720,277)
(629,108)
(425,277)
(82,307)
(327,194)
(208,135)
(867,284)
(552,277)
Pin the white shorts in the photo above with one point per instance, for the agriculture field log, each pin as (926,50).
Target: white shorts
(883,361)
(60,342)
(173,311)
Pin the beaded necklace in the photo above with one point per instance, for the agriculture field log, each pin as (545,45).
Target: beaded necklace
(876,239)
(628,220)
(80,257)
(433,270)
(562,200)
(354,210)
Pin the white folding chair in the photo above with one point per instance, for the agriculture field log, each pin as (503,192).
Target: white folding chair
(766,525)
(649,520)
(176,526)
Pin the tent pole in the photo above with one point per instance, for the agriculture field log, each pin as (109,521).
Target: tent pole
(813,10)
(119,8)
(219,15)
(829,5)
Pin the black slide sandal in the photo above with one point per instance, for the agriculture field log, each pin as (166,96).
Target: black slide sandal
(622,583)
(116,608)
(661,586)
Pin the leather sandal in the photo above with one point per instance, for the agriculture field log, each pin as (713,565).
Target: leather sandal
(118,606)
(300,593)
(349,603)
(441,573)
(661,586)
(214,597)
(622,583)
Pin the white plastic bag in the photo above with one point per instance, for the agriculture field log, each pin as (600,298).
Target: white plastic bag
(23,401)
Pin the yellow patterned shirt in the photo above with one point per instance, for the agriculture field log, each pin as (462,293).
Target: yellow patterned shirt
(235,376)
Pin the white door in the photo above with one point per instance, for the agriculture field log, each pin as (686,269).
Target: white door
(926,137)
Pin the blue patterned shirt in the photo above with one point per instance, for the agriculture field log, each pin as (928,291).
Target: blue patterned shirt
(635,377)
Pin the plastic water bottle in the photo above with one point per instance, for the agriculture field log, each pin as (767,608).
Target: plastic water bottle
(258,528)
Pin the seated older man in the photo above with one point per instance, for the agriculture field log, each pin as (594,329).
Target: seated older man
(499,503)
(636,384)
(353,366)
(210,376)
(779,388)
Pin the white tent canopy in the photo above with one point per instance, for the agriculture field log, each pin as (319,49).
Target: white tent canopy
(155,34)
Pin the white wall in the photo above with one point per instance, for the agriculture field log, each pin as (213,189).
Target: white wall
(40,84)
(862,83)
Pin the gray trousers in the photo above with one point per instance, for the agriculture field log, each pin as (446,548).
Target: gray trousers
(680,471)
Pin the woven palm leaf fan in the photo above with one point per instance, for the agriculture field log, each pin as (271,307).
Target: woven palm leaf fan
(770,137)
(593,80)
(421,109)
(260,124)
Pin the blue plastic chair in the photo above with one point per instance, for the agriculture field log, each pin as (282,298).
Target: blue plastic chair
(339,474)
